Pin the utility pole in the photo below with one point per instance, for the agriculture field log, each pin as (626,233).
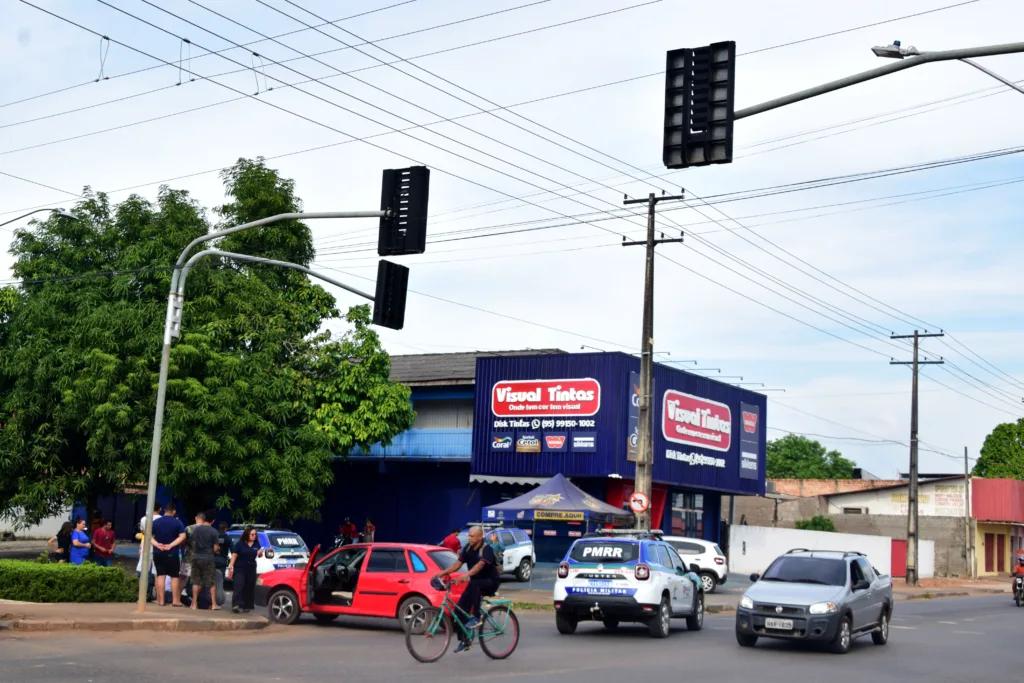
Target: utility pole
(644,459)
(913,535)
(968,555)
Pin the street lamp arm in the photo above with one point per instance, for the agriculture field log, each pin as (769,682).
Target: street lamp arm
(60,212)
(264,261)
(921,58)
(263,221)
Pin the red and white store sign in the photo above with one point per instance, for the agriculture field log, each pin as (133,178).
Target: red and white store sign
(546,398)
(696,421)
(749,422)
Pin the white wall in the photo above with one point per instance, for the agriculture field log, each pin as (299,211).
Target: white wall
(45,529)
(939,499)
(752,548)
(925,559)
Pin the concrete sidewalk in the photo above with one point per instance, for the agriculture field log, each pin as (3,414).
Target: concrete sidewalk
(65,616)
(726,602)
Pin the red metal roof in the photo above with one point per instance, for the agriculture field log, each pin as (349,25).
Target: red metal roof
(997,500)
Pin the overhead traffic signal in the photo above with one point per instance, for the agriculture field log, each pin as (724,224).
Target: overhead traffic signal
(404,194)
(700,85)
(389,298)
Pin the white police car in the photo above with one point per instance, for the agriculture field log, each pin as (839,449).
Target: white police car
(635,576)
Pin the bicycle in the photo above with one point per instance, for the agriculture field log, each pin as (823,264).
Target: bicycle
(430,630)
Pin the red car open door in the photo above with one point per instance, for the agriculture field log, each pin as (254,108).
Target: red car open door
(305,585)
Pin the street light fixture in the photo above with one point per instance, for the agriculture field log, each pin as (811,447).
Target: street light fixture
(63,213)
(895,51)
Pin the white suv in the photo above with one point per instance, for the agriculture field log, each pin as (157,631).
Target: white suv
(634,577)
(714,565)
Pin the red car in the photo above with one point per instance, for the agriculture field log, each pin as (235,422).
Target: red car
(389,580)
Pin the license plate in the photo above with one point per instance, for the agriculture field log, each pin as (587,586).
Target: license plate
(779,624)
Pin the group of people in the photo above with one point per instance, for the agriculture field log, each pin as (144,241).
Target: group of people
(72,544)
(349,533)
(200,555)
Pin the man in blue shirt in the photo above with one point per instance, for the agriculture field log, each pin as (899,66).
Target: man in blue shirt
(168,534)
(79,543)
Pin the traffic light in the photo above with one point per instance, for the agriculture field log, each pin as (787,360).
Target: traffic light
(404,192)
(700,86)
(389,299)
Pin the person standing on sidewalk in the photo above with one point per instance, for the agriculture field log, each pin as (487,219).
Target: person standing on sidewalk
(60,543)
(369,531)
(242,570)
(103,542)
(79,542)
(168,535)
(202,541)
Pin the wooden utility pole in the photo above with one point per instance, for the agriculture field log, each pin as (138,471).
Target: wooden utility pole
(644,458)
(913,535)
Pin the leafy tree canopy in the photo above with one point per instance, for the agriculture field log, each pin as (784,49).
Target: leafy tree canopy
(259,397)
(1002,454)
(797,457)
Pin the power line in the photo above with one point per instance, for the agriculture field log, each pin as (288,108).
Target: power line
(197,57)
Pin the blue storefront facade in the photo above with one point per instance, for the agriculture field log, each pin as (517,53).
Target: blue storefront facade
(577,414)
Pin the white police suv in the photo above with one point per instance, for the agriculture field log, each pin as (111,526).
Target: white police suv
(635,576)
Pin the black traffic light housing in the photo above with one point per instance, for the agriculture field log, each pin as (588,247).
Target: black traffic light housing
(700,88)
(404,194)
(389,298)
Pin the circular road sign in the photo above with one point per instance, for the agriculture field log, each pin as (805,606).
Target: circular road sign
(638,502)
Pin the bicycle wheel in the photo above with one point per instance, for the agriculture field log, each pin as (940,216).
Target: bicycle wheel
(499,633)
(429,634)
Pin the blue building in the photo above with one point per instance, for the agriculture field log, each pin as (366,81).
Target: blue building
(492,425)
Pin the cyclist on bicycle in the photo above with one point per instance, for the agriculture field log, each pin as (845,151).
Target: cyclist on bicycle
(482,577)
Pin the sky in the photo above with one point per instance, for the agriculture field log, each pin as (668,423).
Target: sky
(536,120)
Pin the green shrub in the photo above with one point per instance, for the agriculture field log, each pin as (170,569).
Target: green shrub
(816,523)
(34,582)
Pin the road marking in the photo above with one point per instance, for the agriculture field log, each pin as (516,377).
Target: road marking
(970,633)
(951,623)
(904,628)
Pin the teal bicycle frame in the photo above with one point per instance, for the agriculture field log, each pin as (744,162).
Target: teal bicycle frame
(459,616)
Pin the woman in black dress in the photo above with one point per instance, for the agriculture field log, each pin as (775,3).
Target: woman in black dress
(242,570)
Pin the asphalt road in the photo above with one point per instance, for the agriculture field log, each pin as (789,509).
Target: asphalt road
(957,639)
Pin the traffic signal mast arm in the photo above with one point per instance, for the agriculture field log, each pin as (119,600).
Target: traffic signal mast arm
(915,59)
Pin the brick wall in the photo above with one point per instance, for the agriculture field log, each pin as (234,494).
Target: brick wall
(822,487)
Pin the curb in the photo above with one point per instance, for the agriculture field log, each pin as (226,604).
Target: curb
(936,595)
(182,625)
(719,609)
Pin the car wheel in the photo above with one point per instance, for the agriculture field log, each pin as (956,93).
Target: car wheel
(611,624)
(409,608)
(709,581)
(660,624)
(844,637)
(880,636)
(695,621)
(525,570)
(283,606)
(325,618)
(746,639)
(565,625)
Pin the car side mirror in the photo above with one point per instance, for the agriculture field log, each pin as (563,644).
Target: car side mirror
(681,571)
(695,568)
(754,577)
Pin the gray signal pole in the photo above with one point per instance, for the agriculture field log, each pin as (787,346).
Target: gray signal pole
(968,555)
(644,458)
(913,535)
(172,329)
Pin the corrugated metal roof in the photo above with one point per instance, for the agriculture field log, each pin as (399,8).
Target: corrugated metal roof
(448,369)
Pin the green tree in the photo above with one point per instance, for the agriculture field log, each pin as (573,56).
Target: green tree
(816,523)
(1002,454)
(260,398)
(797,457)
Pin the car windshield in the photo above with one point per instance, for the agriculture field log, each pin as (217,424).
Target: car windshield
(443,558)
(823,570)
(286,541)
(604,551)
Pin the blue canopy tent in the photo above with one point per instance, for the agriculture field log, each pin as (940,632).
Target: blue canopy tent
(557,500)
(559,509)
